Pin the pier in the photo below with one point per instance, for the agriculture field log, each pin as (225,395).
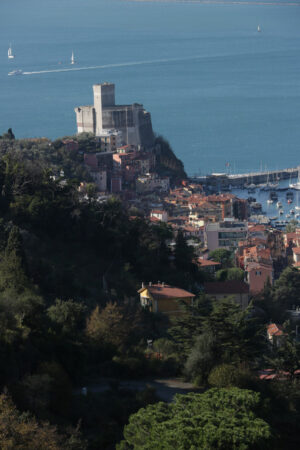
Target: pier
(222,181)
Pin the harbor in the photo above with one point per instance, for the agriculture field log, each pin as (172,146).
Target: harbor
(227,181)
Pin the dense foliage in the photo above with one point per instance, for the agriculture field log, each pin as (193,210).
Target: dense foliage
(217,419)
(69,316)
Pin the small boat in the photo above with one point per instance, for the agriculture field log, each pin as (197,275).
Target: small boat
(269,201)
(297,215)
(15,72)
(288,216)
(281,212)
(10,53)
(290,201)
(292,211)
(72,58)
(274,218)
(259,29)
(279,205)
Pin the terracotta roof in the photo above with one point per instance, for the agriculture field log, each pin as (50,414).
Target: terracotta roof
(166,291)
(275,330)
(296,250)
(207,262)
(226,287)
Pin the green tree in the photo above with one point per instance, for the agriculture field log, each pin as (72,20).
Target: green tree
(233,273)
(216,419)
(109,326)
(286,357)
(223,256)
(67,317)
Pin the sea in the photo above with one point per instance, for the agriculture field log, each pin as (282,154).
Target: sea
(225,96)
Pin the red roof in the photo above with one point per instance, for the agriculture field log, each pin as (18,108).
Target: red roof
(226,287)
(207,262)
(275,330)
(296,250)
(166,291)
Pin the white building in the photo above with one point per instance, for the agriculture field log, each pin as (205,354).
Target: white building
(226,234)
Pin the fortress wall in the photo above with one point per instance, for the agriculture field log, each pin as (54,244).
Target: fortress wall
(86,120)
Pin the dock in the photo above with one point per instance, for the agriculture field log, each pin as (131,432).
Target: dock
(221,181)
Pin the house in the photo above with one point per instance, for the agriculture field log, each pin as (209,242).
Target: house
(159,214)
(163,298)
(296,257)
(258,274)
(208,265)
(238,290)
(275,334)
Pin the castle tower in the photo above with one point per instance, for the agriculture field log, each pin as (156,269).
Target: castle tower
(104,97)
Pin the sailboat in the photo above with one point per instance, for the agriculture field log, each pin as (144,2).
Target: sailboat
(297,207)
(258,29)
(296,185)
(72,58)
(10,53)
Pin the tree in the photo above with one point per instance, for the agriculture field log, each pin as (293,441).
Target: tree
(233,273)
(109,326)
(9,135)
(13,264)
(183,253)
(67,317)
(286,358)
(291,226)
(202,358)
(20,431)
(216,419)
(223,256)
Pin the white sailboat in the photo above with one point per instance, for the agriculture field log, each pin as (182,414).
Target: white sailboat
(10,53)
(72,58)
(296,185)
(258,29)
(297,207)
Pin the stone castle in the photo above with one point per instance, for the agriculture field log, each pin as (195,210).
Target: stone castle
(127,124)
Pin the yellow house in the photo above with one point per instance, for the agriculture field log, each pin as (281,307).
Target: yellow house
(164,298)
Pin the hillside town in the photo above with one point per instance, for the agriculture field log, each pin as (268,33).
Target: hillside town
(126,166)
(124,282)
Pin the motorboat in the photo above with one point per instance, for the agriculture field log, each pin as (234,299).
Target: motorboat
(258,29)
(292,211)
(288,216)
(270,201)
(281,212)
(279,205)
(72,58)
(15,72)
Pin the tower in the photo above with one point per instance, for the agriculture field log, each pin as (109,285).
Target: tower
(104,96)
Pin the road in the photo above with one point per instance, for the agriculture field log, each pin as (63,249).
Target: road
(165,388)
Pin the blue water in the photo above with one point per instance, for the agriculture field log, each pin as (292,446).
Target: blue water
(223,94)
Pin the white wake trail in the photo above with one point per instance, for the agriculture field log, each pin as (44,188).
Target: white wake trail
(108,66)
